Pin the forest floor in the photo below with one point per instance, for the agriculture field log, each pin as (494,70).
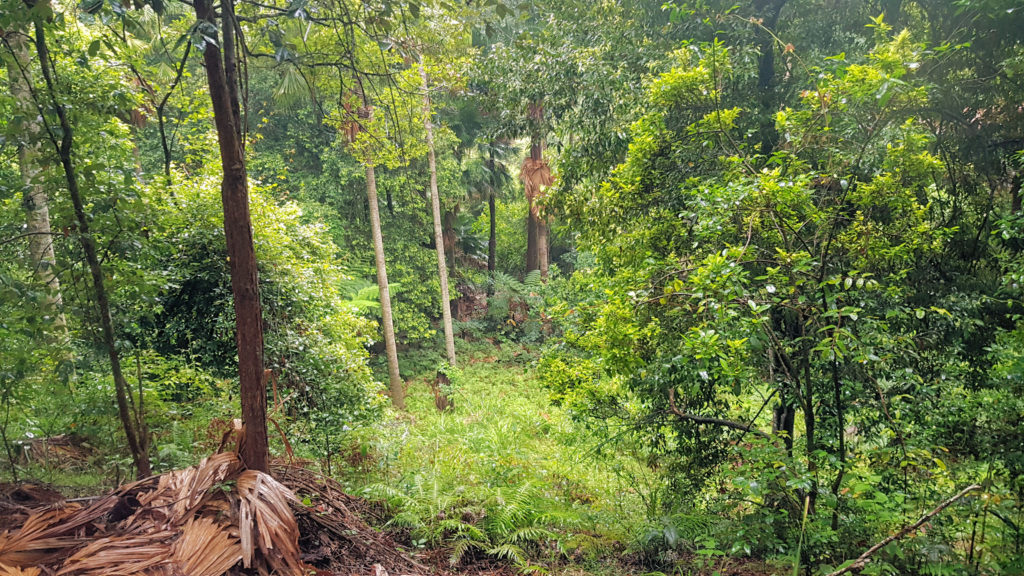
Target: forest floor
(503,482)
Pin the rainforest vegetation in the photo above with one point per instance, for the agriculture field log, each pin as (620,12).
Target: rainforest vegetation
(555,286)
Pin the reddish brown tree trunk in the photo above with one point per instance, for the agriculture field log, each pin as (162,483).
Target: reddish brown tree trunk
(532,262)
(234,192)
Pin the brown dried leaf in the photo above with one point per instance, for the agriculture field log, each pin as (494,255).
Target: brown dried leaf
(121,555)
(6,570)
(266,520)
(536,175)
(206,548)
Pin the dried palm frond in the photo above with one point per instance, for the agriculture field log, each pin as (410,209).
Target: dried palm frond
(6,570)
(45,534)
(200,521)
(535,174)
(195,483)
(205,548)
(121,555)
(265,522)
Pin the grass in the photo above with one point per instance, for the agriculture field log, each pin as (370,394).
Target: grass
(503,474)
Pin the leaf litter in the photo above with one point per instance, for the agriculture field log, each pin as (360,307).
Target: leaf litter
(215,518)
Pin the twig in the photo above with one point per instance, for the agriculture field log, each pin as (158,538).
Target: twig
(706,420)
(864,558)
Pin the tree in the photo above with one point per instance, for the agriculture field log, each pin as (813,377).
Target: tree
(536,177)
(435,206)
(222,78)
(62,137)
(395,383)
(30,163)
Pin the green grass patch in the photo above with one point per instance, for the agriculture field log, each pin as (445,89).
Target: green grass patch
(504,473)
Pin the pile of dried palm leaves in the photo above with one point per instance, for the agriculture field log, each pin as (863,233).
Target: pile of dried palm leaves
(333,535)
(206,520)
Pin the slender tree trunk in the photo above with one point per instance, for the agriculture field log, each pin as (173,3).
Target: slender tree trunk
(64,145)
(1015,194)
(30,163)
(532,257)
(533,223)
(395,384)
(809,437)
(435,206)
(492,237)
(542,246)
(238,234)
(768,11)
(837,391)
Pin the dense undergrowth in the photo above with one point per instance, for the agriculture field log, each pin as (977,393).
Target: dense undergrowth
(503,473)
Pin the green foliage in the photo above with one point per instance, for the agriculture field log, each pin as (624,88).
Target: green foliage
(503,474)
(730,282)
(792,317)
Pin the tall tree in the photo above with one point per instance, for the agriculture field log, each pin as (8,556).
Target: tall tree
(222,77)
(395,384)
(435,206)
(61,136)
(30,164)
(536,177)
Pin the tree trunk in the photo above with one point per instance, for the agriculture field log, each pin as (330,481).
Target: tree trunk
(30,164)
(536,175)
(435,205)
(492,237)
(532,260)
(131,418)
(768,11)
(395,384)
(238,234)
(809,438)
(542,246)
(533,223)
(1015,194)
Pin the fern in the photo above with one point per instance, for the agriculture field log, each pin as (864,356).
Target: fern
(530,534)
(509,552)
(461,529)
(460,547)
(533,280)
(389,495)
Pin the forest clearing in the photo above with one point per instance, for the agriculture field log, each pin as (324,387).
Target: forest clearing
(503,287)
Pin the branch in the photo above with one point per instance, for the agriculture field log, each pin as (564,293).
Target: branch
(864,558)
(13,239)
(706,420)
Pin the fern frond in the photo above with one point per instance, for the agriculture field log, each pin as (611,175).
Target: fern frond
(462,529)
(530,534)
(460,547)
(533,280)
(509,552)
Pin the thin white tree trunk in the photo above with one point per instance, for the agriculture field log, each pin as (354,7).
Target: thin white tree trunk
(395,384)
(435,204)
(30,162)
